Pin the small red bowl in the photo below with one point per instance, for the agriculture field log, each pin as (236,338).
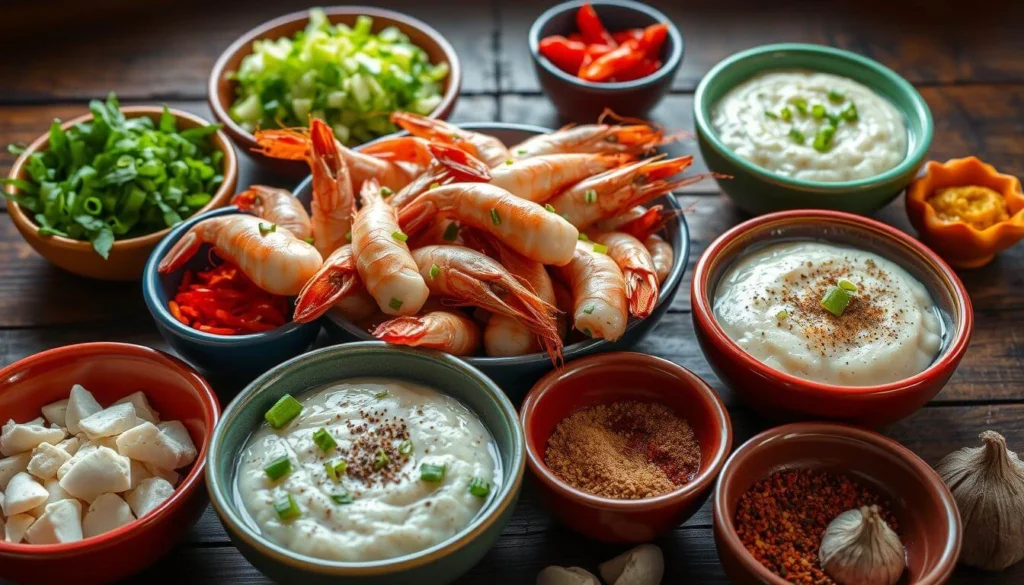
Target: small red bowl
(111,371)
(927,514)
(612,377)
(783,396)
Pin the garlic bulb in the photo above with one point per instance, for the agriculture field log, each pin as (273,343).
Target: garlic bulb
(859,548)
(988,486)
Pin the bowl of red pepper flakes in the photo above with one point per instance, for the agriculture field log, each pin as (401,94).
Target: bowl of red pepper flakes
(216,318)
(607,54)
(779,490)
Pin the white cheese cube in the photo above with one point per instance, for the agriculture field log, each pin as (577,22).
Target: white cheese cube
(12,465)
(109,422)
(172,477)
(178,434)
(62,522)
(86,448)
(81,404)
(148,444)
(16,526)
(46,460)
(106,513)
(70,445)
(22,494)
(57,494)
(98,472)
(142,408)
(18,438)
(139,473)
(151,493)
(56,412)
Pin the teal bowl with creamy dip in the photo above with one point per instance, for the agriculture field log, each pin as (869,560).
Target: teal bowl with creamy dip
(801,126)
(396,416)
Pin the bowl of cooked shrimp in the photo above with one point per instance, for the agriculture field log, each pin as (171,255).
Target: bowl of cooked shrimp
(514,247)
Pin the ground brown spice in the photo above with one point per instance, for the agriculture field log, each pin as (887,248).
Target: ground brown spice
(625,450)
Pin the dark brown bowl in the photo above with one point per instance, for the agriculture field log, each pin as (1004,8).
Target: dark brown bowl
(221,89)
(927,515)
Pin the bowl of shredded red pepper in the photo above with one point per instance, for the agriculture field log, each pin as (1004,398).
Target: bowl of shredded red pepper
(216,317)
(614,54)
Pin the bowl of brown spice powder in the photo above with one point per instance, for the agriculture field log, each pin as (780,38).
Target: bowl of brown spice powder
(625,446)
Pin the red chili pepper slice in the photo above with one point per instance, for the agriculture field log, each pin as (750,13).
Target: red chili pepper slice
(641,69)
(652,39)
(223,301)
(625,35)
(591,28)
(610,64)
(565,54)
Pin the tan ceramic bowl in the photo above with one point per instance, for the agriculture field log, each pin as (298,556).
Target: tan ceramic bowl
(127,257)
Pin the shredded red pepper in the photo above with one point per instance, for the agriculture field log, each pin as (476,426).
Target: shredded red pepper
(223,301)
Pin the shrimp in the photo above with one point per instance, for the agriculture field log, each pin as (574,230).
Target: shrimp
(640,222)
(638,270)
(542,177)
(564,304)
(467,277)
(598,291)
(441,231)
(486,148)
(382,257)
(277,206)
(336,284)
(275,261)
(662,255)
(635,139)
(522,225)
(451,332)
(333,199)
(610,193)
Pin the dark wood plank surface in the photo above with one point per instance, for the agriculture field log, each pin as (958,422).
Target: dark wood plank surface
(967,63)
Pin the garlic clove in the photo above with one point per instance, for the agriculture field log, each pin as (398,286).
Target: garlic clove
(643,565)
(859,548)
(566,576)
(987,483)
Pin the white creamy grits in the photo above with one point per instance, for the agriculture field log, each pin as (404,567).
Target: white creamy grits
(750,121)
(392,512)
(889,331)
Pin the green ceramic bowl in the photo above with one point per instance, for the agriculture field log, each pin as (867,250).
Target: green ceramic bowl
(449,375)
(758,190)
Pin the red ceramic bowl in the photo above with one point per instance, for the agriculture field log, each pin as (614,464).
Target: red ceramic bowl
(111,371)
(783,396)
(612,377)
(927,515)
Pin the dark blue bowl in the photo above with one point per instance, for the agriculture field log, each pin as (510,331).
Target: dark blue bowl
(517,374)
(236,357)
(584,101)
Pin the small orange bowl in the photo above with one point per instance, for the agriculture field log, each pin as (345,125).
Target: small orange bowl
(111,371)
(127,257)
(612,377)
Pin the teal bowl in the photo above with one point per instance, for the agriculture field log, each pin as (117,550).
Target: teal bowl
(451,376)
(758,190)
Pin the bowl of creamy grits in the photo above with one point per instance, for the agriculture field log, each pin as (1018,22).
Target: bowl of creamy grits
(807,126)
(829,315)
(369,463)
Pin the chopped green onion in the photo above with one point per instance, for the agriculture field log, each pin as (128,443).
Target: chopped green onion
(495,218)
(818,111)
(600,248)
(823,140)
(479,487)
(451,232)
(348,237)
(835,96)
(287,509)
(308,241)
(521,151)
(399,236)
(835,300)
(324,440)
(283,411)
(434,271)
(589,309)
(849,113)
(587,332)
(847,285)
(266,228)
(278,468)
(381,395)
(335,470)
(431,473)
(801,106)
(771,115)
(782,315)
(590,196)
(796,136)
(786,113)
(550,207)
(405,447)
(509,162)
(386,192)
(583,237)
(380,460)
(342,498)
(395,304)
(433,186)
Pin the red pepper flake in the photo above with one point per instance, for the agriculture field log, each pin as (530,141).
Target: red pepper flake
(223,301)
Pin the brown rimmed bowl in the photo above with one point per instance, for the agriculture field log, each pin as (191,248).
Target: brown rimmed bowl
(929,523)
(612,377)
(127,257)
(783,396)
(221,88)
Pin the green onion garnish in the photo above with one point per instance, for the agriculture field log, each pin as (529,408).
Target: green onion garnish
(600,248)
(509,162)
(849,113)
(335,470)
(348,237)
(847,285)
(434,271)
(583,237)
(835,96)
(287,509)
(786,113)
(381,395)
(278,468)
(308,241)
(342,498)
(587,332)
(433,186)
(589,309)
(495,218)
(405,447)
(550,207)
(479,487)
(324,440)
(266,228)
(590,196)
(451,232)
(796,136)
(395,304)
(782,315)
(823,141)
(801,105)
(283,411)
(771,115)
(385,192)
(521,151)
(399,236)
(818,111)
(380,460)
(432,473)
(835,300)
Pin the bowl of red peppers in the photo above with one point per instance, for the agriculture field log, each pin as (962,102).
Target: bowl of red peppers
(218,319)
(607,54)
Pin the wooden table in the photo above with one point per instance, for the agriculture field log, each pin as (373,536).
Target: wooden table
(969,68)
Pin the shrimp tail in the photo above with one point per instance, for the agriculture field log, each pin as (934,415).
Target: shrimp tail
(183,250)
(403,149)
(639,132)
(663,169)
(423,126)
(415,216)
(324,290)
(652,221)
(407,330)
(641,292)
(370,192)
(460,164)
(285,143)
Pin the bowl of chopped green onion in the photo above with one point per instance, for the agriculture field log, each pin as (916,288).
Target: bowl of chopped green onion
(350,66)
(95,194)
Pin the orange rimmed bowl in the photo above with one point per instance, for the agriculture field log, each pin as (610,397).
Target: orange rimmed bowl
(612,377)
(111,371)
(128,256)
(783,396)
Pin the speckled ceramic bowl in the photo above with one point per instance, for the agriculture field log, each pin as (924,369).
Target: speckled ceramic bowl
(438,564)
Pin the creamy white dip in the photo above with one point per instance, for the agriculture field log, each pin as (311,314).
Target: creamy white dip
(392,512)
(750,120)
(769,303)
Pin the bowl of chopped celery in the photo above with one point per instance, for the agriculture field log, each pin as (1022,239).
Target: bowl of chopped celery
(350,66)
(95,194)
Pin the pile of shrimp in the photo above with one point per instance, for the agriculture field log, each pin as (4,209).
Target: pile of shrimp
(450,239)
